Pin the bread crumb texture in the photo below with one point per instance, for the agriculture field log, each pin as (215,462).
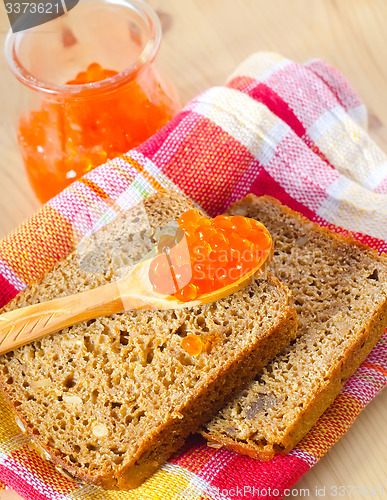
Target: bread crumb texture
(340,291)
(110,399)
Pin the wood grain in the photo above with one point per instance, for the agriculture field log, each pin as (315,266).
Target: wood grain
(203,42)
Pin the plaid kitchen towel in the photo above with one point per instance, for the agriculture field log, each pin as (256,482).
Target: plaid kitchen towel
(295,132)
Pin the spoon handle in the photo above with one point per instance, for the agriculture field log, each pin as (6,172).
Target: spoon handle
(30,323)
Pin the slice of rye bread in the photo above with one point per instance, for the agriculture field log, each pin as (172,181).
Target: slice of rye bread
(340,291)
(109,400)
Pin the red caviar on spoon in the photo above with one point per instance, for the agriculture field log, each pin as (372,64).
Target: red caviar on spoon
(213,254)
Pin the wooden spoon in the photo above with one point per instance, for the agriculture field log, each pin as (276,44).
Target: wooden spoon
(134,291)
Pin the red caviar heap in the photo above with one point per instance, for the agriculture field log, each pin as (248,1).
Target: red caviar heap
(94,73)
(207,254)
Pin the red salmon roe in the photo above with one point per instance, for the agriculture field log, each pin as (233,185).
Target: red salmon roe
(192,344)
(214,253)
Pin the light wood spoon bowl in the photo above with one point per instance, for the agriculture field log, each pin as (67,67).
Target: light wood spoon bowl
(134,291)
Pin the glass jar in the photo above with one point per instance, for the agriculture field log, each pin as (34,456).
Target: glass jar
(92,91)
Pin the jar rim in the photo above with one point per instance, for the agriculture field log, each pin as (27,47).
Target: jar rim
(146,56)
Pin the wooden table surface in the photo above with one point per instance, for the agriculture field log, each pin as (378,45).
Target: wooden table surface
(204,40)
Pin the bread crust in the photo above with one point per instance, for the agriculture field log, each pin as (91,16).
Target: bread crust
(250,199)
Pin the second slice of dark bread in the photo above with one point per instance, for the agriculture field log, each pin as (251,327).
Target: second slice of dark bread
(340,291)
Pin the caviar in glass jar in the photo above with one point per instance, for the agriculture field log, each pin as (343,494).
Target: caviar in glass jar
(91,89)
